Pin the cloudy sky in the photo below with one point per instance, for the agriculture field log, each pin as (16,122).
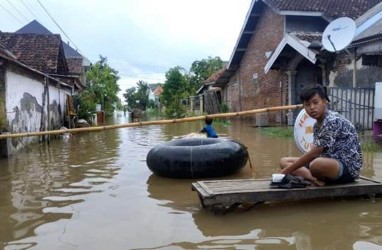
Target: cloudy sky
(142,39)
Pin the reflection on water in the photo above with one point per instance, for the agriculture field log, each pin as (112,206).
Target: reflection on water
(306,225)
(173,193)
(95,188)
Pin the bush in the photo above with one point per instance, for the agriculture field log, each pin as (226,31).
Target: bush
(224,108)
(3,117)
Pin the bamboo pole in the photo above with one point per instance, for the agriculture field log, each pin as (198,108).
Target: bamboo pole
(146,123)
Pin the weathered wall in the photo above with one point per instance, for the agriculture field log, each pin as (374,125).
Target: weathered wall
(31,106)
(242,92)
(341,73)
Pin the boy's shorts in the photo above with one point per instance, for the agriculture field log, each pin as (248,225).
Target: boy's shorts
(343,176)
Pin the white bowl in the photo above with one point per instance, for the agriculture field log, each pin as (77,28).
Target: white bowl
(277,177)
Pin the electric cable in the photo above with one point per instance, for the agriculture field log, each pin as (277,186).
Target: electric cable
(10,13)
(47,12)
(10,3)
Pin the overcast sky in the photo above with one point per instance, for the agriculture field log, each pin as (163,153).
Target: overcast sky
(142,39)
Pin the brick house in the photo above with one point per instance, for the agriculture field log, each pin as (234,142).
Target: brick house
(279,50)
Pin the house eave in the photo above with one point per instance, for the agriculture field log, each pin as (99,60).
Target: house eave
(296,45)
(30,69)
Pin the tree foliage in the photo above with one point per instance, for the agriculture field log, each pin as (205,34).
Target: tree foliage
(102,88)
(201,70)
(179,85)
(175,89)
(137,97)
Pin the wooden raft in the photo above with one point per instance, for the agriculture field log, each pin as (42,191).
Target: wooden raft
(232,193)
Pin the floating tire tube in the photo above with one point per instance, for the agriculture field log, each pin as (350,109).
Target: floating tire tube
(197,158)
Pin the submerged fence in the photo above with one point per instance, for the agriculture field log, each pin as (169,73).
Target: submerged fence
(355,104)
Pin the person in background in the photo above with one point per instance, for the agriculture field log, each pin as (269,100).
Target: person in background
(336,155)
(208,129)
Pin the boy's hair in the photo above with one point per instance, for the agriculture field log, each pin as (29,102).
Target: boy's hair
(310,90)
(208,120)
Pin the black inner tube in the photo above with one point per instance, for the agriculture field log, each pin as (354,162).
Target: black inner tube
(197,157)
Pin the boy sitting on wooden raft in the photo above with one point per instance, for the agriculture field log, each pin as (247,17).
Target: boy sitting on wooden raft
(336,156)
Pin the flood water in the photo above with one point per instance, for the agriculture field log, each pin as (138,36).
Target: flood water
(94,191)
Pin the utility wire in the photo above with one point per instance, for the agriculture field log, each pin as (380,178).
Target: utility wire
(30,11)
(11,4)
(58,26)
(10,13)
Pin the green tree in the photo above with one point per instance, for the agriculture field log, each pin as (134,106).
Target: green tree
(137,97)
(201,70)
(102,88)
(175,89)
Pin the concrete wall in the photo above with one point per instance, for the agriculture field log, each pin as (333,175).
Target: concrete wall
(31,106)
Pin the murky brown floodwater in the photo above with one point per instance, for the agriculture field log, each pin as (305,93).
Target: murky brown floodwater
(94,191)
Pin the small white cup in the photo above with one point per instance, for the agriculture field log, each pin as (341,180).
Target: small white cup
(277,177)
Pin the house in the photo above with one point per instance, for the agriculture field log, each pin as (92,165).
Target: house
(42,52)
(368,37)
(30,100)
(77,63)
(367,45)
(154,91)
(279,50)
(208,97)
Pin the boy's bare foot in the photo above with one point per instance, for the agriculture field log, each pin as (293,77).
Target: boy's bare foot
(318,183)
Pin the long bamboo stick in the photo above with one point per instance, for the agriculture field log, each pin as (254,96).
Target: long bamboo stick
(159,122)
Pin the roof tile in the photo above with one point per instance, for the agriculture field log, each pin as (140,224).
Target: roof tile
(330,8)
(40,51)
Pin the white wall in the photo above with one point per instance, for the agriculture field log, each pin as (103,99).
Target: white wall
(25,107)
(151,95)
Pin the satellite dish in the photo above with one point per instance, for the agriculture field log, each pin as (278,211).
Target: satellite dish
(303,131)
(338,34)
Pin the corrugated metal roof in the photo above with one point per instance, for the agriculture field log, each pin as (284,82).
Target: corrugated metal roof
(369,25)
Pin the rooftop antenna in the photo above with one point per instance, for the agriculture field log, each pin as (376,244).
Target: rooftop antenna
(338,34)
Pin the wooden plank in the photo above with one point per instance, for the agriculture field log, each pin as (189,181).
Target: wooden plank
(196,187)
(228,192)
(206,188)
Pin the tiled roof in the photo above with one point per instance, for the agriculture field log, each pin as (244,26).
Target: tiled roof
(5,52)
(212,79)
(329,8)
(153,86)
(41,52)
(36,28)
(158,91)
(308,36)
(74,65)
